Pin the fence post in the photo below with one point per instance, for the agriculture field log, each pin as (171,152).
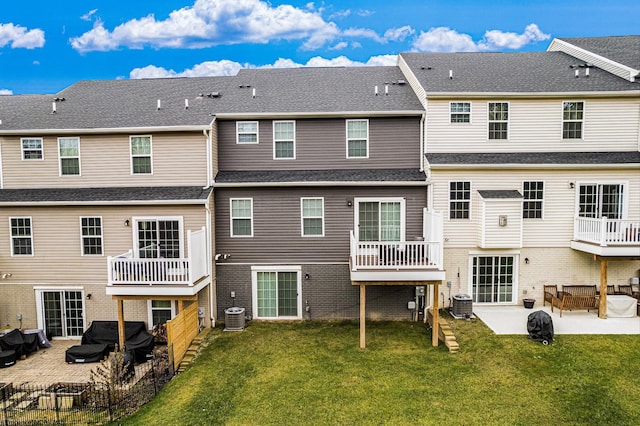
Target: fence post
(109,402)
(4,408)
(153,375)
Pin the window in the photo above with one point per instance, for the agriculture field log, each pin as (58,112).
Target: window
(141,155)
(284,139)
(493,279)
(459,200)
(460,112)
(312,217)
(498,120)
(380,220)
(242,217)
(247,132)
(601,200)
(21,236)
(159,237)
(91,229)
(357,138)
(533,195)
(32,149)
(572,116)
(69,153)
(276,292)
(161,311)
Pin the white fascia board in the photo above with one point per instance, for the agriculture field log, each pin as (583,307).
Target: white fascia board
(533,95)
(316,184)
(104,203)
(317,114)
(534,166)
(557,45)
(107,130)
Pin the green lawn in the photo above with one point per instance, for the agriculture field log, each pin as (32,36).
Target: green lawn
(314,373)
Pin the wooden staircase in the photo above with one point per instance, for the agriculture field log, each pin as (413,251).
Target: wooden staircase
(445,333)
(193,350)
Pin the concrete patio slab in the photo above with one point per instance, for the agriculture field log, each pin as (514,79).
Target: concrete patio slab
(513,320)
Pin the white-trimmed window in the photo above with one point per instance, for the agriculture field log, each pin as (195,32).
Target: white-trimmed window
(160,311)
(357,138)
(69,154)
(91,231)
(533,194)
(460,112)
(276,292)
(242,217)
(572,119)
(141,155)
(284,139)
(597,200)
(32,148)
(312,210)
(459,200)
(380,219)
(21,236)
(159,237)
(247,132)
(493,279)
(498,120)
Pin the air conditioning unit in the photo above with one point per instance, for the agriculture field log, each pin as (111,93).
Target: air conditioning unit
(234,319)
(462,306)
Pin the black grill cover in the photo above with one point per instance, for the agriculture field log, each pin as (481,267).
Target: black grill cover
(540,327)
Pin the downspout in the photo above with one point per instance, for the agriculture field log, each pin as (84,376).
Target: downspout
(209,264)
(422,140)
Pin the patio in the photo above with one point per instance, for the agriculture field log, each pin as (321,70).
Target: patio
(513,320)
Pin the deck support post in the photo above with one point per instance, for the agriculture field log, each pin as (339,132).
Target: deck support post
(121,328)
(363,311)
(602,307)
(436,316)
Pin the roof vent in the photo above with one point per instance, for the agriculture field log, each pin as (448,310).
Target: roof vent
(213,95)
(426,68)
(159,105)
(186,103)
(375,90)
(253,92)
(400,82)
(450,74)
(53,107)
(386,90)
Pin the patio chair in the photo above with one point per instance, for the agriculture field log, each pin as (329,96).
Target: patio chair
(625,289)
(550,291)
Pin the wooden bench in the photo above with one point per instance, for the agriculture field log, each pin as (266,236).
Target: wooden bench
(573,297)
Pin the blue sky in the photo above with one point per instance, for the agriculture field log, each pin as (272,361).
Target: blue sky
(45,47)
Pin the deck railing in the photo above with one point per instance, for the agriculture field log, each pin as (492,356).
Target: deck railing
(607,232)
(398,255)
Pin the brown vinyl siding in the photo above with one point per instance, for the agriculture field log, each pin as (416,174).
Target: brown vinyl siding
(321,144)
(56,240)
(177,159)
(276,227)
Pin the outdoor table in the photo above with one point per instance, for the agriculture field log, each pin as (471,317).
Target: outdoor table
(620,306)
(43,342)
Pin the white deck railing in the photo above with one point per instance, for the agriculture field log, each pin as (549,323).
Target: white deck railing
(126,269)
(607,232)
(398,255)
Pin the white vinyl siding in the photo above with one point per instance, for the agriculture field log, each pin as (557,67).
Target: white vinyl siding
(141,159)
(21,232)
(312,212)
(357,138)
(241,217)
(32,148)
(247,132)
(535,125)
(284,139)
(69,154)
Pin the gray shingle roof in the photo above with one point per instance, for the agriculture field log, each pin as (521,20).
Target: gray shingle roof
(519,72)
(101,195)
(499,194)
(632,157)
(624,50)
(319,176)
(113,104)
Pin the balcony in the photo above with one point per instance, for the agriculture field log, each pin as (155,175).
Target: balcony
(129,275)
(607,237)
(400,261)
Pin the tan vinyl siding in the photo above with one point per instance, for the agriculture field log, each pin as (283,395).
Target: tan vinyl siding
(555,229)
(536,125)
(177,159)
(276,214)
(57,247)
(321,144)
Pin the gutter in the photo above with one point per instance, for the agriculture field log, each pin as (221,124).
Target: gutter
(106,130)
(104,203)
(327,114)
(631,166)
(314,184)
(533,95)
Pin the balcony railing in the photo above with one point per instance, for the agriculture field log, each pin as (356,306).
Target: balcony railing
(397,255)
(607,232)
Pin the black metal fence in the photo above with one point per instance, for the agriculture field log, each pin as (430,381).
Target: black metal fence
(83,403)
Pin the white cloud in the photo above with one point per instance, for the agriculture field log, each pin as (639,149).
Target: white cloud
(20,37)
(496,39)
(399,34)
(364,12)
(212,22)
(4,92)
(340,14)
(443,39)
(363,33)
(339,46)
(88,16)
(226,67)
